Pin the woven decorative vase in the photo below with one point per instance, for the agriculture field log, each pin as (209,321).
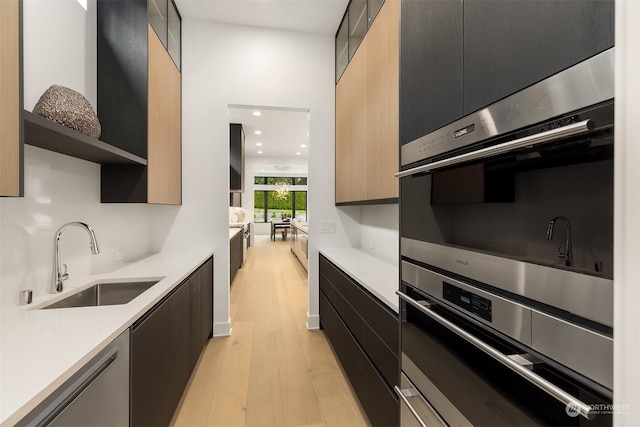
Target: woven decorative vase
(70,109)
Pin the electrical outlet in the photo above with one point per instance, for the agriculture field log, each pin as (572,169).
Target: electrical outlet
(372,244)
(118,255)
(327,227)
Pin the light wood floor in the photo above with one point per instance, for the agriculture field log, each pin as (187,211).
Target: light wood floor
(271,371)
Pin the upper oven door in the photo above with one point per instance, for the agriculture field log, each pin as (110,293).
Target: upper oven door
(502,203)
(472,377)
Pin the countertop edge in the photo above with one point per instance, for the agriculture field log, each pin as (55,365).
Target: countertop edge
(378,276)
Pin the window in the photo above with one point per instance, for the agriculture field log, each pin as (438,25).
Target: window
(278,196)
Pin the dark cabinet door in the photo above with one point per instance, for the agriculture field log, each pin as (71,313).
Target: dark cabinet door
(236,157)
(201,315)
(150,405)
(195,323)
(509,45)
(430,66)
(206,316)
(179,367)
(165,346)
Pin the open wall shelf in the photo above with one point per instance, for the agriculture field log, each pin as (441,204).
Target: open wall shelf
(44,133)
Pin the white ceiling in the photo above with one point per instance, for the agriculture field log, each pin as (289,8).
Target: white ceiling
(284,131)
(313,16)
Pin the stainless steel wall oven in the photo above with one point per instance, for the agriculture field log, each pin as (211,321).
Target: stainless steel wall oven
(507,259)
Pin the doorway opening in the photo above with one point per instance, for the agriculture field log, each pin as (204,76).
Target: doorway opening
(276,147)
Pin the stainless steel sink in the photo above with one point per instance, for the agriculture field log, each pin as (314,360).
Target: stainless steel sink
(104,293)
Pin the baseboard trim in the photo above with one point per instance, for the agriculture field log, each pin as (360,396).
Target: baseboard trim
(222,329)
(313,322)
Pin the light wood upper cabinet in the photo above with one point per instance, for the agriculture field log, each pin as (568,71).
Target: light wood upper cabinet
(367,115)
(351,130)
(165,130)
(11,145)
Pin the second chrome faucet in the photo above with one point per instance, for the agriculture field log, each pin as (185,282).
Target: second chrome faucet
(567,255)
(59,274)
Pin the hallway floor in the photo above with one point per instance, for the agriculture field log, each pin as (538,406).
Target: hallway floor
(271,371)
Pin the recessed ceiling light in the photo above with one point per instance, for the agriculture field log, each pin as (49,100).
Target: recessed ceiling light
(303,145)
(258,132)
(259,144)
(257,113)
(298,153)
(259,152)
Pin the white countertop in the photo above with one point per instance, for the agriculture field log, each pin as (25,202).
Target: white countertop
(40,349)
(379,277)
(233,231)
(303,226)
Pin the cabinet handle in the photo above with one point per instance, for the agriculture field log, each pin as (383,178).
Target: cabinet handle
(505,147)
(544,385)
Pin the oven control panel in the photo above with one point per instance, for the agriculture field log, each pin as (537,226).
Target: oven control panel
(468,301)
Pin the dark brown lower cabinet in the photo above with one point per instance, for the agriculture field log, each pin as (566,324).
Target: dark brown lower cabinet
(165,346)
(235,255)
(364,334)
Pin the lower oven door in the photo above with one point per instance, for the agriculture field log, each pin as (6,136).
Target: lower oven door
(458,366)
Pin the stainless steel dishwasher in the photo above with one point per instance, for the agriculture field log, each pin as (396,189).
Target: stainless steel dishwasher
(97,395)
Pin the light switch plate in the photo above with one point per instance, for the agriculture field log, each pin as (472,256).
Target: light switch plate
(327,227)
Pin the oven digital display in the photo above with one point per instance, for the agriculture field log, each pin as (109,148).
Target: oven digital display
(468,301)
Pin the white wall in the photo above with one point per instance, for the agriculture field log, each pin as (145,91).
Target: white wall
(59,48)
(58,189)
(627,214)
(224,65)
(379,226)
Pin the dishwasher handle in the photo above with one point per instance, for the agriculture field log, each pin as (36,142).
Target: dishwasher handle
(74,390)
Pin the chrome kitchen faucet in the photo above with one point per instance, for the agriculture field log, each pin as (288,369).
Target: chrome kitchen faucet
(59,275)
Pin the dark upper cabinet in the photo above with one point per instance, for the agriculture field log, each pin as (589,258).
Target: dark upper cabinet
(430,66)
(358,24)
(122,74)
(342,46)
(509,45)
(458,56)
(165,20)
(158,17)
(236,157)
(174,35)
(357,19)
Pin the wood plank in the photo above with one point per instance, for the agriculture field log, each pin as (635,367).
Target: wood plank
(197,399)
(298,396)
(229,403)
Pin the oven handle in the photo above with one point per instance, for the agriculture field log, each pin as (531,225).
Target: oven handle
(562,396)
(410,406)
(505,147)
